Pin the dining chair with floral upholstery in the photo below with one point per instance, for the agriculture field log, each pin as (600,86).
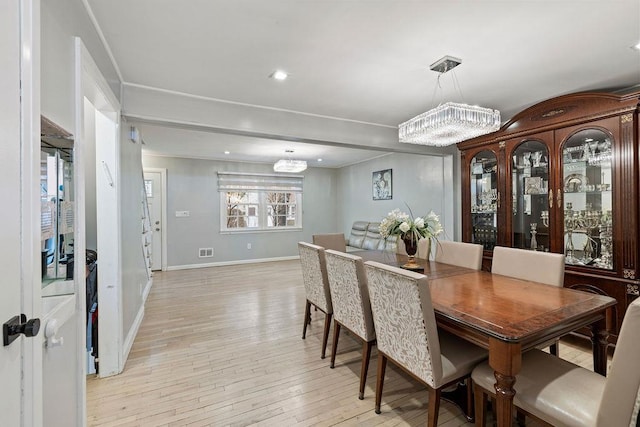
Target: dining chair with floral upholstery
(316,286)
(560,393)
(407,334)
(351,306)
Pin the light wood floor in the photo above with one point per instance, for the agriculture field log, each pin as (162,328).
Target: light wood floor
(222,347)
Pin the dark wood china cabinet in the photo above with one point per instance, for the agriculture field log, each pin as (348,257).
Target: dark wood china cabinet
(563,176)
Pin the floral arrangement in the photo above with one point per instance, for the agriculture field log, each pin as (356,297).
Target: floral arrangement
(398,223)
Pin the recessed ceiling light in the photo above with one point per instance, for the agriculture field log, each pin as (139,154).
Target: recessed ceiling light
(636,47)
(227,152)
(279,75)
(319,160)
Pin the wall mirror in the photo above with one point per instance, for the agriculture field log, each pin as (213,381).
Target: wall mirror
(57,209)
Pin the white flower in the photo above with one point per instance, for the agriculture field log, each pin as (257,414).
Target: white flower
(398,223)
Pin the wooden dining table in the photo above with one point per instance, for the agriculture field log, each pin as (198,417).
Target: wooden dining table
(507,316)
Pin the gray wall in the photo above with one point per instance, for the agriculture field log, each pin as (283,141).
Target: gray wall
(333,199)
(192,186)
(134,270)
(420,182)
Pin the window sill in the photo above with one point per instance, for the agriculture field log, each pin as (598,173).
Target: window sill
(261,230)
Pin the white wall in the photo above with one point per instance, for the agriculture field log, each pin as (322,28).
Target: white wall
(61,21)
(333,199)
(91,230)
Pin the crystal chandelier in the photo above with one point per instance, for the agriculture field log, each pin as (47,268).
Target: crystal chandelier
(450,122)
(289,165)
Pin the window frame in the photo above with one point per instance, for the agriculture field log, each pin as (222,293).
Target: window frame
(262,185)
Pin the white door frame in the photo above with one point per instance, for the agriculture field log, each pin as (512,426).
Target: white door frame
(163,223)
(31,270)
(91,84)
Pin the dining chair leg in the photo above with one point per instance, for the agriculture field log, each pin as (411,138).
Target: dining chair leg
(470,411)
(382,367)
(334,348)
(555,348)
(325,334)
(480,406)
(307,317)
(434,406)
(364,369)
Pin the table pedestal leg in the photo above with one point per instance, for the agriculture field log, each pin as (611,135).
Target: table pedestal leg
(506,360)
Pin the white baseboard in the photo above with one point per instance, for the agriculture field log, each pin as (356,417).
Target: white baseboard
(218,264)
(146,290)
(131,336)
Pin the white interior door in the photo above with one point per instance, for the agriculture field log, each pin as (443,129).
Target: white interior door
(155,194)
(20,372)
(10,356)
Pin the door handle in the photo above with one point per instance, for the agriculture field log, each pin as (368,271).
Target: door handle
(19,325)
(559,198)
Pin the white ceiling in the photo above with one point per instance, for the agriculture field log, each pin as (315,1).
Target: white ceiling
(365,60)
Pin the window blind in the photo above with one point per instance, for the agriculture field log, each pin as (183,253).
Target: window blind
(238,181)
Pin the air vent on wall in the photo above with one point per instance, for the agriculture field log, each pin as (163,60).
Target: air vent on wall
(205,252)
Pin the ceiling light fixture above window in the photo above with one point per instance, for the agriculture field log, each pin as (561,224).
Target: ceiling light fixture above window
(279,75)
(289,165)
(450,122)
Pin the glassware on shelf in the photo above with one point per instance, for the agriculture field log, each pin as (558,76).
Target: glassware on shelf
(544,217)
(587,179)
(534,241)
(528,187)
(606,242)
(483,170)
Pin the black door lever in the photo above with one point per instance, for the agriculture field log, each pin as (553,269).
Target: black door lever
(19,325)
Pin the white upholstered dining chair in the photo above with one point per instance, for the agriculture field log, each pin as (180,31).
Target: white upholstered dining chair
(541,267)
(316,286)
(468,255)
(563,394)
(407,334)
(335,241)
(351,306)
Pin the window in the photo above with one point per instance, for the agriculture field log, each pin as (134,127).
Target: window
(251,202)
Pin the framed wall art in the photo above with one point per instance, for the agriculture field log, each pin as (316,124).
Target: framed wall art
(382,189)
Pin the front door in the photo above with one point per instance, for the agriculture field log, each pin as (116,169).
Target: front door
(155,192)
(20,376)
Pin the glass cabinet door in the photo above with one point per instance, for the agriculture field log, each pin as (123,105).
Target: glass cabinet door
(588,202)
(484,199)
(57,213)
(529,196)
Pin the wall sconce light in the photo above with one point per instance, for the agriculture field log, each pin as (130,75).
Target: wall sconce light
(134,134)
